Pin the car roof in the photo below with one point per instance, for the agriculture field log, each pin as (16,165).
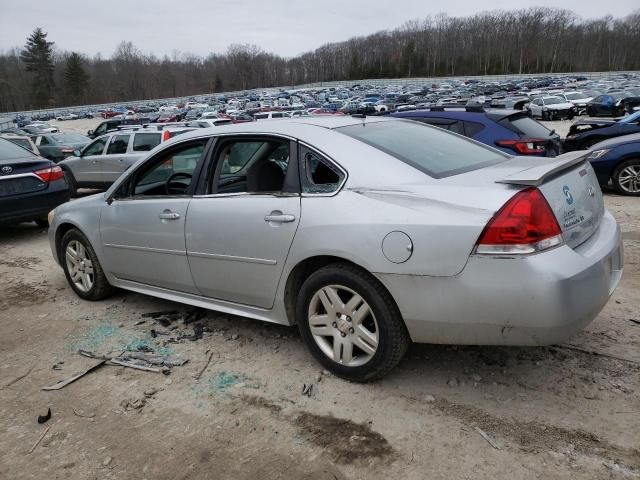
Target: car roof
(494,114)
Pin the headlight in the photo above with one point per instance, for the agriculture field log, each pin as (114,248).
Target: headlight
(51,216)
(596,154)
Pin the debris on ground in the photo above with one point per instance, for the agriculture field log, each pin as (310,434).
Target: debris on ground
(206,365)
(44,418)
(307,389)
(73,378)
(57,366)
(489,440)
(35,445)
(222,381)
(80,413)
(133,403)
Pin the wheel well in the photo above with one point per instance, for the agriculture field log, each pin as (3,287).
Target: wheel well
(62,229)
(303,270)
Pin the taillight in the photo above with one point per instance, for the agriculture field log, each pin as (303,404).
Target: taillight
(166,135)
(50,174)
(525,224)
(524,146)
(66,150)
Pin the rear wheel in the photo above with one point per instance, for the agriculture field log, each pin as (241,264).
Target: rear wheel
(350,323)
(626,177)
(71,183)
(82,268)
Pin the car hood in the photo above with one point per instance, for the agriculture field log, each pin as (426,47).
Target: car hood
(617,142)
(559,106)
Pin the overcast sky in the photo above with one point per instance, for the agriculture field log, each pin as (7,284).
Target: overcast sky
(285,27)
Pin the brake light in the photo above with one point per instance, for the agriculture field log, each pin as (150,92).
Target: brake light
(166,135)
(524,146)
(525,224)
(66,150)
(50,174)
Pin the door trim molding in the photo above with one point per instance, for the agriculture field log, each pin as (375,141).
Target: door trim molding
(233,258)
(147,249)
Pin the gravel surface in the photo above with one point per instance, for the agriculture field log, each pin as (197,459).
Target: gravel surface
(237,410)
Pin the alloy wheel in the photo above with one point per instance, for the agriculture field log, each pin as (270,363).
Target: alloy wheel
(343,325)
(629,179)
(79,265)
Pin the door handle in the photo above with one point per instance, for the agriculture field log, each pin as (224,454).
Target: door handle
(279,217)
(169,216)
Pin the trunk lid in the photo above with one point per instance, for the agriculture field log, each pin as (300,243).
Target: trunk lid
(570,186)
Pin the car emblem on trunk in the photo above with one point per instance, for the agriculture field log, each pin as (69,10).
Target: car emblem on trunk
(6,169)
(567,194)
(591,191)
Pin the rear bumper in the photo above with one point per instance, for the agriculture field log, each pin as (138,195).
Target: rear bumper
(32,206)
(534,300)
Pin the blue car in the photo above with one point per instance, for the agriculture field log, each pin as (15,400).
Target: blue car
(585,133)
(618,160)
(512,131)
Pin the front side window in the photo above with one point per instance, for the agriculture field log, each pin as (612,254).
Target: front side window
(118,145)
(318,174)
(251,166)
(425,148)
(95,148)
(170,173)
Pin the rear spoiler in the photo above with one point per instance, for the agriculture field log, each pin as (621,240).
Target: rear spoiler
(537,174)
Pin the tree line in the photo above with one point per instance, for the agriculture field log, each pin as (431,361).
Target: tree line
(534,40)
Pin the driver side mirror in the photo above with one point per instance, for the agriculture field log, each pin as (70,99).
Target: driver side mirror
(90,132)
(77,153)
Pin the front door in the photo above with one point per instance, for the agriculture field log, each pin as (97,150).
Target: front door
(113,161)
(87,168)
(238,236)
(143,228)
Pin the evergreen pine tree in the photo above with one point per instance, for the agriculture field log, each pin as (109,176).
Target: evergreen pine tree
(76,79)
(37,57)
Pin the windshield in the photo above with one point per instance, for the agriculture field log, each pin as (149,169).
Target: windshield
(631,118)
(10,151)
(429,149)
(575,96)
(70,138)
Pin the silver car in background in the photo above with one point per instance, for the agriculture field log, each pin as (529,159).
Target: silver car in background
(368,233)
(101,162)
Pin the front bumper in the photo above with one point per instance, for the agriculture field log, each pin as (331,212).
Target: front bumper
(532,300)
(32,206)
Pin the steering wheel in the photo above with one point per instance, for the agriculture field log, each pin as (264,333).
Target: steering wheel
(180,188)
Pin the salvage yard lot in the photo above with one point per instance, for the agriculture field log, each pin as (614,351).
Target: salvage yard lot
(552,412)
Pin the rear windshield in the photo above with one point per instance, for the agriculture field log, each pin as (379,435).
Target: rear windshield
(525,126)
(429,149)
(24,143)
(10,150)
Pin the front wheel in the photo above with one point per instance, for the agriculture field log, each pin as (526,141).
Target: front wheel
(545,116)
(626,177)
(350,323)
(82,268)
(71,183)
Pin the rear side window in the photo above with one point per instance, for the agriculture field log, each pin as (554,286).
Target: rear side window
(427,149)
(318,174)
(143,142)
(118,144)
(525,126)
(471,129)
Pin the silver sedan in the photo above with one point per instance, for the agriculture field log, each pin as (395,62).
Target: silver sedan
(368,233)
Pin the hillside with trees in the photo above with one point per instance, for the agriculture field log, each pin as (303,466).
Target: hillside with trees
(535,40)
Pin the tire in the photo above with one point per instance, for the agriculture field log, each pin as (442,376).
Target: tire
(71,183)
(570,115)
(622,178)
(381,314)
(545,116)
(95,286)
(42,222)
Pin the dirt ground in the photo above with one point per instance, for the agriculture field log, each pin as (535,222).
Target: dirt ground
(570,411)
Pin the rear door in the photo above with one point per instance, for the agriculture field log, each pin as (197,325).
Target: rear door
(239,233)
